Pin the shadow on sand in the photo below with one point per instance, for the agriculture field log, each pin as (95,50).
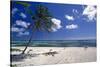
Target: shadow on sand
(21,57)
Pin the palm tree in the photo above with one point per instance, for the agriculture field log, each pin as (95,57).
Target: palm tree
(41,19)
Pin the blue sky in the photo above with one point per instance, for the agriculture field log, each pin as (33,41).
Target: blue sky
(72,22)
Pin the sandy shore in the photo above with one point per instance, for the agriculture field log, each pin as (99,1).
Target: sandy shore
(38,56)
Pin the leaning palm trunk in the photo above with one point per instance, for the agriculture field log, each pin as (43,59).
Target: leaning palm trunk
(28,43)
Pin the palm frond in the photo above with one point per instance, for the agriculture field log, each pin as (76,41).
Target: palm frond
(23,3)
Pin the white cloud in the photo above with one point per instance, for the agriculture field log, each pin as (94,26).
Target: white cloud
(23,15)
(14,10)
(90,12)
(74,11)
(56,24)
(22,23)
(16,29)
(72,26)
(19,31)
(23,33)
(69,17)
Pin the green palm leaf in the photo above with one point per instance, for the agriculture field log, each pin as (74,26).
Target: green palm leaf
(23,3)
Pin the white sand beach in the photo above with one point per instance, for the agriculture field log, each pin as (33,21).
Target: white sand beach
(63,55)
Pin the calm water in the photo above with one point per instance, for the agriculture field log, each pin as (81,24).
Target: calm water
(57,43)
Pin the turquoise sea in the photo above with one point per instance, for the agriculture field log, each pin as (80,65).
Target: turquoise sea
(57,43)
